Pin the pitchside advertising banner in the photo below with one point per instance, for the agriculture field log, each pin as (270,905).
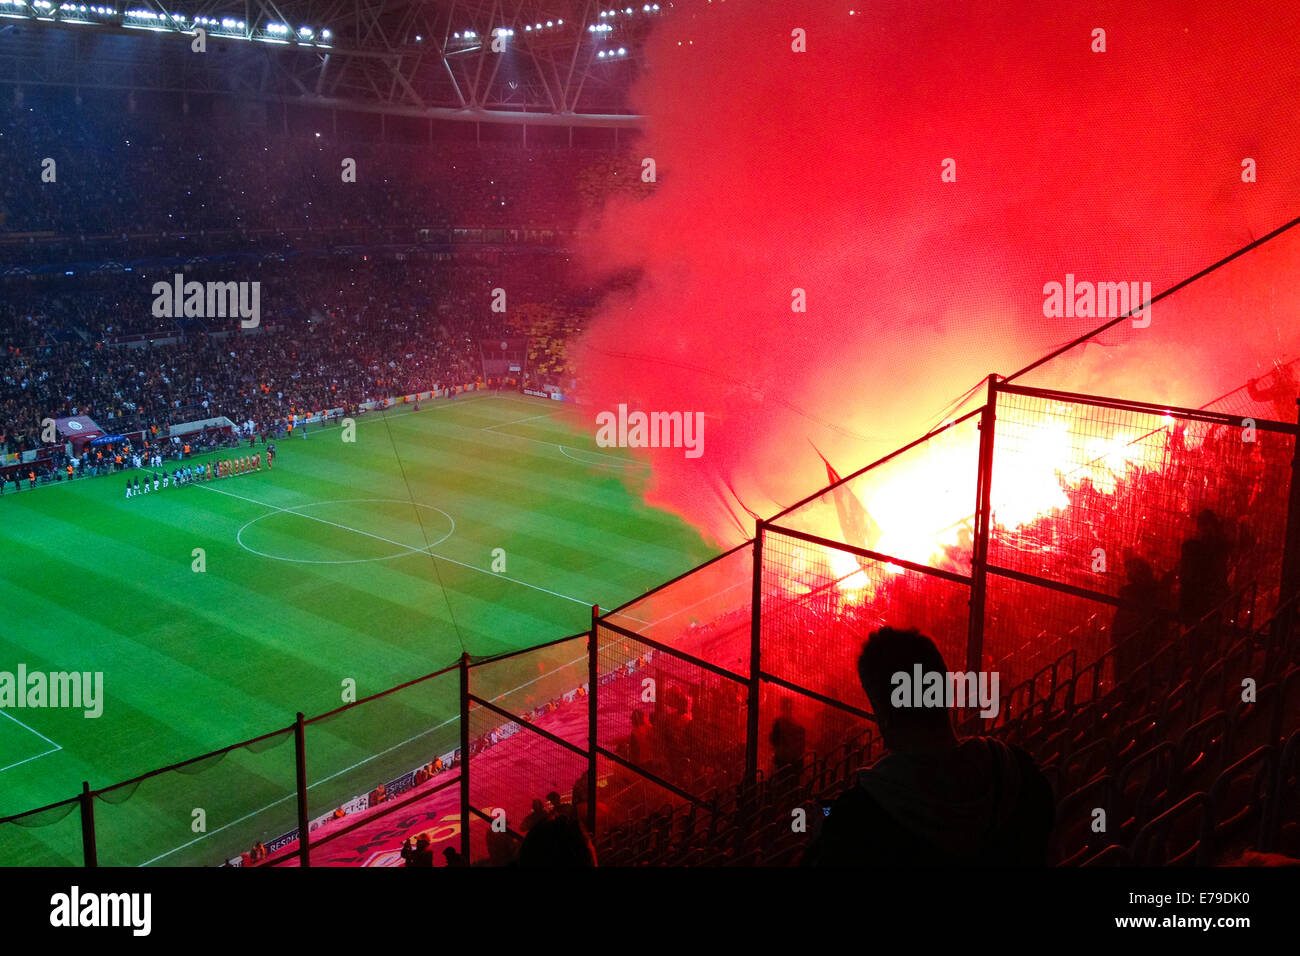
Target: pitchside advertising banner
(546,391)
(358,804)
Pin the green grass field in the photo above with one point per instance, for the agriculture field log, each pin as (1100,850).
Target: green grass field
(368,561)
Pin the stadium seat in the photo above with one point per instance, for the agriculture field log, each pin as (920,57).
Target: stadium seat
(1081,766)
(1237,803)
(1113,855)
(1176,837)
(1200,753)
(1074,838)
(1143,787)
(1282,820)
(1252,725)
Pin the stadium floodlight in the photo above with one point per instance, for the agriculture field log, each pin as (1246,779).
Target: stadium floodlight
(622,51)
(550,23)
(601,54)
(326,34)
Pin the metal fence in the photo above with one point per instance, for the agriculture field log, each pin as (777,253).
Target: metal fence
(1021,537)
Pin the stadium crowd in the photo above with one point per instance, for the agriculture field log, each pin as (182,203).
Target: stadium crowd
(128,185)
(336,334)
(339,327)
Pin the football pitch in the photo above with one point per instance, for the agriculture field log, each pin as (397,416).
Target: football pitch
(216,611)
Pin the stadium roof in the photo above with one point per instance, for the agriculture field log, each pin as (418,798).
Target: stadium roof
(556,62)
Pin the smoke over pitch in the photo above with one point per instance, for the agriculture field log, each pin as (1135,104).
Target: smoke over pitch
(821,171)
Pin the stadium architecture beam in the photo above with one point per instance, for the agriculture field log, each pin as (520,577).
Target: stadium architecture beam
(563,62)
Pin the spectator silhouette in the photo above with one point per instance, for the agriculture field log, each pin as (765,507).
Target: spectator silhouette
(558,842)
(452,857)
(417,852)
(933,800)
(640,743)
(1138,627)
(537,814)
(1203,581)
(789,742)
(1281,392)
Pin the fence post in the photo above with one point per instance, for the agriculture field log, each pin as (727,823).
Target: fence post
(89,852)
(980,545)
(300,760)
(755,663)
(464,758)
(593,677)
(1287,595)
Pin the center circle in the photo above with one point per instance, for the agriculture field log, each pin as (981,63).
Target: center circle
(367,530)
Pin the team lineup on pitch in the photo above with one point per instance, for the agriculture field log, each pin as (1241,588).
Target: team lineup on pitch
(205,471)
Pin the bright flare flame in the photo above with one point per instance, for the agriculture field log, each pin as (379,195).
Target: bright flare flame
(924,504)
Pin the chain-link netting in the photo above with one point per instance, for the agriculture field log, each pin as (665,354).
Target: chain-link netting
(917,505)
(679,720)
(202,813)
(808,748)
(547,684)
(642,823)
(1027,627)
(1271,395)
(818,610)
(1167,511)
(47,837)
(516,776)
(381,751)
(706,613)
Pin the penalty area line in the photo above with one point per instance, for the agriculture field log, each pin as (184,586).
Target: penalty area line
(54,747)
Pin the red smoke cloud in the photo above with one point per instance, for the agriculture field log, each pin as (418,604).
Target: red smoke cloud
(821,171)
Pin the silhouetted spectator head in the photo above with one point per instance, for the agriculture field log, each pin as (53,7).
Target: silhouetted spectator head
(557,805)
(1139,570)
(1208,524)
(638,718)
(557,842)
(889,651)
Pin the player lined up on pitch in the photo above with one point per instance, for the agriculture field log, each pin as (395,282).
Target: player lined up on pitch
(209,471)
